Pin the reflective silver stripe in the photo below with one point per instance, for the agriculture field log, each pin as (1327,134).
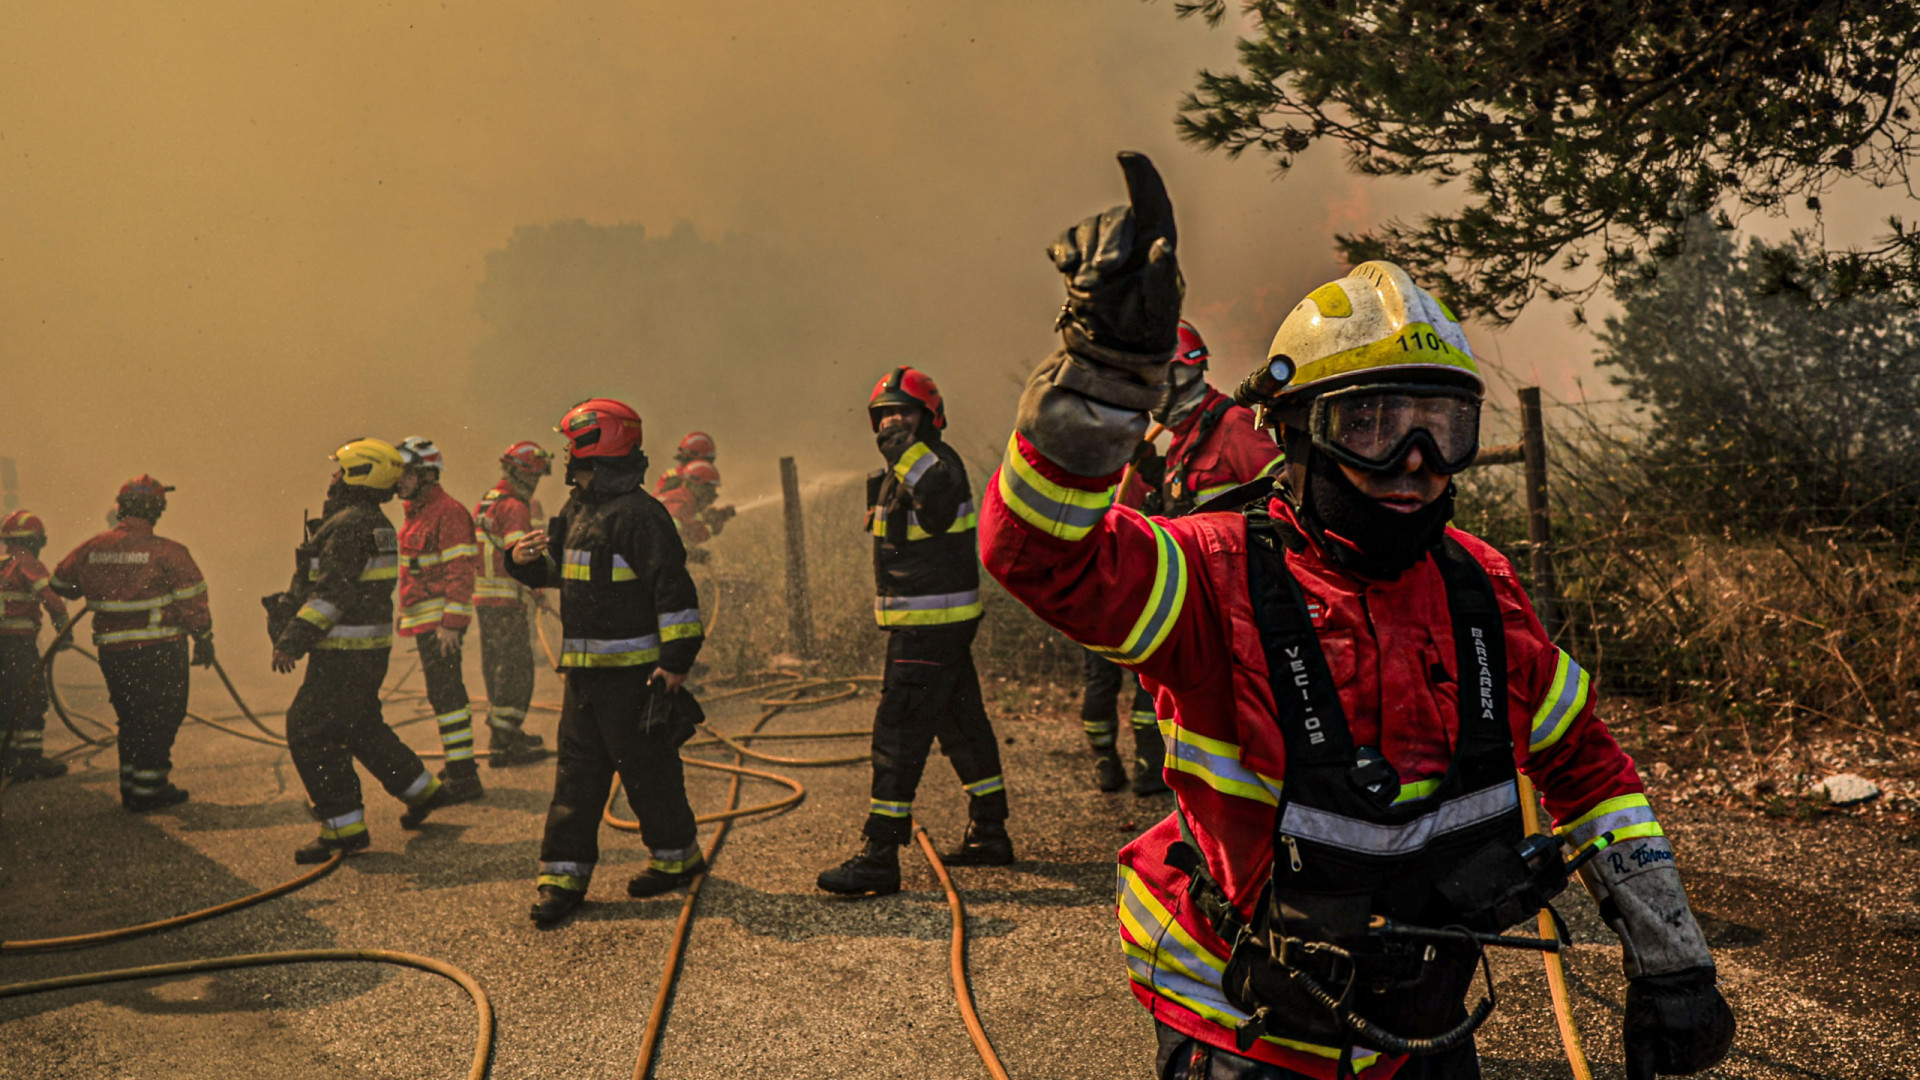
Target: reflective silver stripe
(131,605)
(940,602)
(1374,838)
(919,468)
(379,630)
(419,785)
(676,618)
(569,869)
(351,817)
(604,645)
(330,611)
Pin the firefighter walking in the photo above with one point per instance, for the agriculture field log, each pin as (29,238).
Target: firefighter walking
(147,599)
(25,587)
(1350,686)
(504,516)
(438,557)
(631,631)
(921,514)
(338,613)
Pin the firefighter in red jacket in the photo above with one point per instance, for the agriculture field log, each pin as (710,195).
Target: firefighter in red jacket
(438,559)
(927,580)
(25,588)
(504,515)
(1337,793)
(147,599)
(696,446)
(691,502)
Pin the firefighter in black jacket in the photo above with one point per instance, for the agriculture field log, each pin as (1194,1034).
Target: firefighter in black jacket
(927,579)
(631,623)
(339,614)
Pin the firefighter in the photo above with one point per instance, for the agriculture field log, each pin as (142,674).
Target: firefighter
(438,557)
(697,446)
(1214,448)
(920,511)
(147,599)
(25,588)
(691,502)
(1336,791)
(504,515)
(338,613)
(631,629)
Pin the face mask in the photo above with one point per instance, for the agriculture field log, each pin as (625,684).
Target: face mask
(1186,389)
(1388,541)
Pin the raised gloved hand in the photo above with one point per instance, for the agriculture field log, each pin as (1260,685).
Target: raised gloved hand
(203,651)
(1149,466)
(894,441)
(1677,1023)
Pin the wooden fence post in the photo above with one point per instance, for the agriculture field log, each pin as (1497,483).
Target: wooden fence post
(1533,442)
(799,602)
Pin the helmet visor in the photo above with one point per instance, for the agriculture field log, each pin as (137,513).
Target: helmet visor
(1375,427)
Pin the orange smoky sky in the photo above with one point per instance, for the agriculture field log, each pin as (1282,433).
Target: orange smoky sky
(237,234)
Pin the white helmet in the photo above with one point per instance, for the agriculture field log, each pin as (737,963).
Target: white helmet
(419,452)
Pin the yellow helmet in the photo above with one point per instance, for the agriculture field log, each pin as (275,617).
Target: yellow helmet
(1373,325)
(369,463)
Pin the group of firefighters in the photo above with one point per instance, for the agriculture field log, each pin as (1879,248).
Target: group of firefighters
(1341,690)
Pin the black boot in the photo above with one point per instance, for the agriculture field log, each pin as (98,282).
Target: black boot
(34,766)
(555,903)
(167,796)
(1108,772)
(986,844)
(875,870)
(511,746)
(653,881)
(463,785)
(416,814)
(322,849)
(1149,759)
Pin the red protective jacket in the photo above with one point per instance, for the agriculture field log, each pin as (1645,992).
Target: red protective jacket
(141,588)
(500,520)
(1170,599)
(1215,449)
(438,560)
(25,586)
(684,504)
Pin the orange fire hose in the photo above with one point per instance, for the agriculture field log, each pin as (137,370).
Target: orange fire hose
(1556,971)
(1126,474)
(957,955)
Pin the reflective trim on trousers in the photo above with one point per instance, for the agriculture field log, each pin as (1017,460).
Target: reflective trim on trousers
(889,809)
(456,733)
(421,789)
(988,786)
(351,823)
(676,860)
(573,876)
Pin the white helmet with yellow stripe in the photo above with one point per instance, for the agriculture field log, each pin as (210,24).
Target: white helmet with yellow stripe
(1374,325)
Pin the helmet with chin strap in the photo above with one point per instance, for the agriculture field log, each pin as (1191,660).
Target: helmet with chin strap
(907,386)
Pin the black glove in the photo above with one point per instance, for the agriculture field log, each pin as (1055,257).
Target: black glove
(203,651)
(894,441)
(1149,466)
(1676,1024)
(1123,283)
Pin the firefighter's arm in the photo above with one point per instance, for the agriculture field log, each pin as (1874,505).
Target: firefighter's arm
(935,486)
(189,592)
(459,561)
(543,569)
(66,575)
(1677,1021)
(1246,451)
(40,582)
(657,546)
(343,554)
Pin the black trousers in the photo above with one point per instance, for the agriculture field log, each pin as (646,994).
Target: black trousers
(447,693)
(931,691)
(1100,696)
(334,720)
(148,687)
(506,662)
(1184,1058)
(19,690)
(601,734)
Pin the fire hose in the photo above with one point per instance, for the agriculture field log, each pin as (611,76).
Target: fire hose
(1556,967)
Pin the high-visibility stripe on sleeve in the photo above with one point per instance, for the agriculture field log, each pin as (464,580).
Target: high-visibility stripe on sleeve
(1209,492)
(1626,817)
(318,612)
(1218,765)
(1164,601)
(458,551)
(1057,510)
(678,625)
(1565,697)
(914,463)
(191,591)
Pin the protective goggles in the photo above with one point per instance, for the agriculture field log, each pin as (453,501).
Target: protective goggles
(1374,427)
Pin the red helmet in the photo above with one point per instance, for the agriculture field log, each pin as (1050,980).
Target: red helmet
(529,458)
(600,428)
(23,525)
(697,446)
(907,386)
(1193,351)
(144,486)
(699,472)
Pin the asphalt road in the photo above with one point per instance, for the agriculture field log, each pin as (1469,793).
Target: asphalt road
(1814,927)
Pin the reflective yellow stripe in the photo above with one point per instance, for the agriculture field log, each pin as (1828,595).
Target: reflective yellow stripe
(1566,696)
(927,610)
(310,614)
(152,633)
(1419,789)
(1057,510)
(904,468)
(1207,493)
(1164,603)
(149,604)
(1625,816)
(190,591)
(1217,764)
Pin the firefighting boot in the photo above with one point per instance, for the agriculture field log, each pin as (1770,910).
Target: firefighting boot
(416,814)
(875,870)
(555,903)
(159,799)
(661,877)
(511,746)
(1109,773)
(461,784)
(33,765)
(323,848)
(986,844)
(1149,758)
